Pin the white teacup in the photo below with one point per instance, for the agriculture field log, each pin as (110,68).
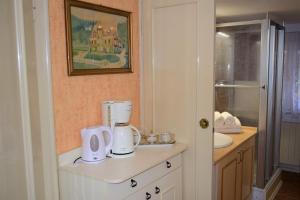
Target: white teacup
(165,137)
(151,138)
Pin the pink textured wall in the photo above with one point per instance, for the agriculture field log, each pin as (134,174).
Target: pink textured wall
(77,99)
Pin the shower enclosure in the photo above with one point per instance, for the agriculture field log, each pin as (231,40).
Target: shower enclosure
(248,82)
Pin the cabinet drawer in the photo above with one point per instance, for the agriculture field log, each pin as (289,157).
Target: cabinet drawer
(165,188)
(138,182)
(247,144)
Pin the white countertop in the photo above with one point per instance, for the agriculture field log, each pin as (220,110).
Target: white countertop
(113,170)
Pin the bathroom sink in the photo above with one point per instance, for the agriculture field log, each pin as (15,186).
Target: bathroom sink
(221,140)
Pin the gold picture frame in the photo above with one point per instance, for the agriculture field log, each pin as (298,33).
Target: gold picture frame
(98,39)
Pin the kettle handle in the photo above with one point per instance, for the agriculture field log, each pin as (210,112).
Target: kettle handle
(139,136)
(109,131)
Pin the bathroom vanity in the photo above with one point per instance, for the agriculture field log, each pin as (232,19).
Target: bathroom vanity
(233,167)
(152,173)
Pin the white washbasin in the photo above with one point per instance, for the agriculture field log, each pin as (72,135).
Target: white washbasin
(221,140)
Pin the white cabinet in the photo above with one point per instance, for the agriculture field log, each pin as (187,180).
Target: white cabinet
(166,188)
(162,181)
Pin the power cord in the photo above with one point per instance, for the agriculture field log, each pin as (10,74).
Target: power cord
(74,162)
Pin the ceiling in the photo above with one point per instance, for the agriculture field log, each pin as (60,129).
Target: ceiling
(287,10)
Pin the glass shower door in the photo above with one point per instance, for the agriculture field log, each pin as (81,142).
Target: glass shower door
(276,41)
(237,80)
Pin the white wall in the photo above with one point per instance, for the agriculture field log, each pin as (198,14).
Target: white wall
(292,27)
(290,132)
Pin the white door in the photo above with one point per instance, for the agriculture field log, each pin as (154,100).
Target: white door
(16,170)
(28,168)
(178,60)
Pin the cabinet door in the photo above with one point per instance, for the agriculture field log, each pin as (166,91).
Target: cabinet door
(247,171)
(170,186)
(234,173)
(228,178)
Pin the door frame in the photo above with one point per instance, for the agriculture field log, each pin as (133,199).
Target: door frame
(24,98)
(205,107)
(44,81)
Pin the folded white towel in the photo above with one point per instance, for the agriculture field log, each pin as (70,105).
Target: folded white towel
(233,123)
(217,114)
(219,120)
(229,121)
(237,122)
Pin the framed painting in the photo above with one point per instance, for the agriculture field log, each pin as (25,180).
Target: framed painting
(98,39)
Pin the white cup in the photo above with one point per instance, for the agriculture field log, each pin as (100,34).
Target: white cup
(151,138)
(165,137)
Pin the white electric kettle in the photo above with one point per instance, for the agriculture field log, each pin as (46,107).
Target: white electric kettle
(94,149)
(123,139)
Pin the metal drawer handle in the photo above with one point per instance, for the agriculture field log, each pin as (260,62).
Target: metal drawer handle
(157,190)
(133,183)
(240,157)
(169,164)
(148,195)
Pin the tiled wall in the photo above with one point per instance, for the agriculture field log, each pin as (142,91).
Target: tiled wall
(77,99)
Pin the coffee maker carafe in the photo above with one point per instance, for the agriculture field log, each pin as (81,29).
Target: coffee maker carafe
(116,114)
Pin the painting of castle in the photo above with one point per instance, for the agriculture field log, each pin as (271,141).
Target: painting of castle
(99,40)
(105,40)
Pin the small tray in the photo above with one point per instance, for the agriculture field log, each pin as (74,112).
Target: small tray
(155,145)
(145,142)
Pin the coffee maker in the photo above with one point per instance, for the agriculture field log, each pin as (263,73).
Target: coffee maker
(116,114)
